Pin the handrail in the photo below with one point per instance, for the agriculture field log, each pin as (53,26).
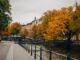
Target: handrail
(63,55)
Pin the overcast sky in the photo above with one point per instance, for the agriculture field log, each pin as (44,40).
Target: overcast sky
(24,11)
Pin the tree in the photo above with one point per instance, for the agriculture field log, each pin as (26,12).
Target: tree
(24,32)
(7,32)
(34,31)
(39,31)
(14,28)
(4,15)
(60,23)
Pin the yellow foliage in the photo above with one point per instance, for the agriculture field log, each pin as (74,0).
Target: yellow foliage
(58,23)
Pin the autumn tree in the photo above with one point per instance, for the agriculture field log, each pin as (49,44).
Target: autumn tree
(39,31)
(24,32)
(76,17)
(7,32)
(59,23)
(14,28)
(34,31)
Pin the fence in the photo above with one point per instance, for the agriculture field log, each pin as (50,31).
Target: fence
(40,53)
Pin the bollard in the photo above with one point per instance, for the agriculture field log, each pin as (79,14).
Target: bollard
(41,53)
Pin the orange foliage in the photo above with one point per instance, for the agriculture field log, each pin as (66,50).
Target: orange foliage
(57,23)
(11,27)
(24,32)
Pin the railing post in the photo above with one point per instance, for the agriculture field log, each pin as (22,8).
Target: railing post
(31,49)
(41,53)
(50,55)
(69,51)
(35,52)
(28,48)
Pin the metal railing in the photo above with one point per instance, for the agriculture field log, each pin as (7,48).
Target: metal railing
(40,53)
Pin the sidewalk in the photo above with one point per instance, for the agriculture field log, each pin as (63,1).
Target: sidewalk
(4,48)
(16,52)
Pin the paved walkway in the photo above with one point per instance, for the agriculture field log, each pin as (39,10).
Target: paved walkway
(16,52)
(4,48)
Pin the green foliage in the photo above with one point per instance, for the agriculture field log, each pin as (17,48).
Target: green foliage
(72,26)
(4,18)
(15,31)
(5,6)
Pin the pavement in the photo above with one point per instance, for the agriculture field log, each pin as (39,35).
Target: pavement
(16,52)
(4,48)
(12,51)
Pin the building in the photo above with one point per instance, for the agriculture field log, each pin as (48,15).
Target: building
(30,25)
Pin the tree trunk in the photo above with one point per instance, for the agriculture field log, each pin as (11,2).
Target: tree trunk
(77,36)
(0,36)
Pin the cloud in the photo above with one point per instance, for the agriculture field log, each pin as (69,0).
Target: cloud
(25,10)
